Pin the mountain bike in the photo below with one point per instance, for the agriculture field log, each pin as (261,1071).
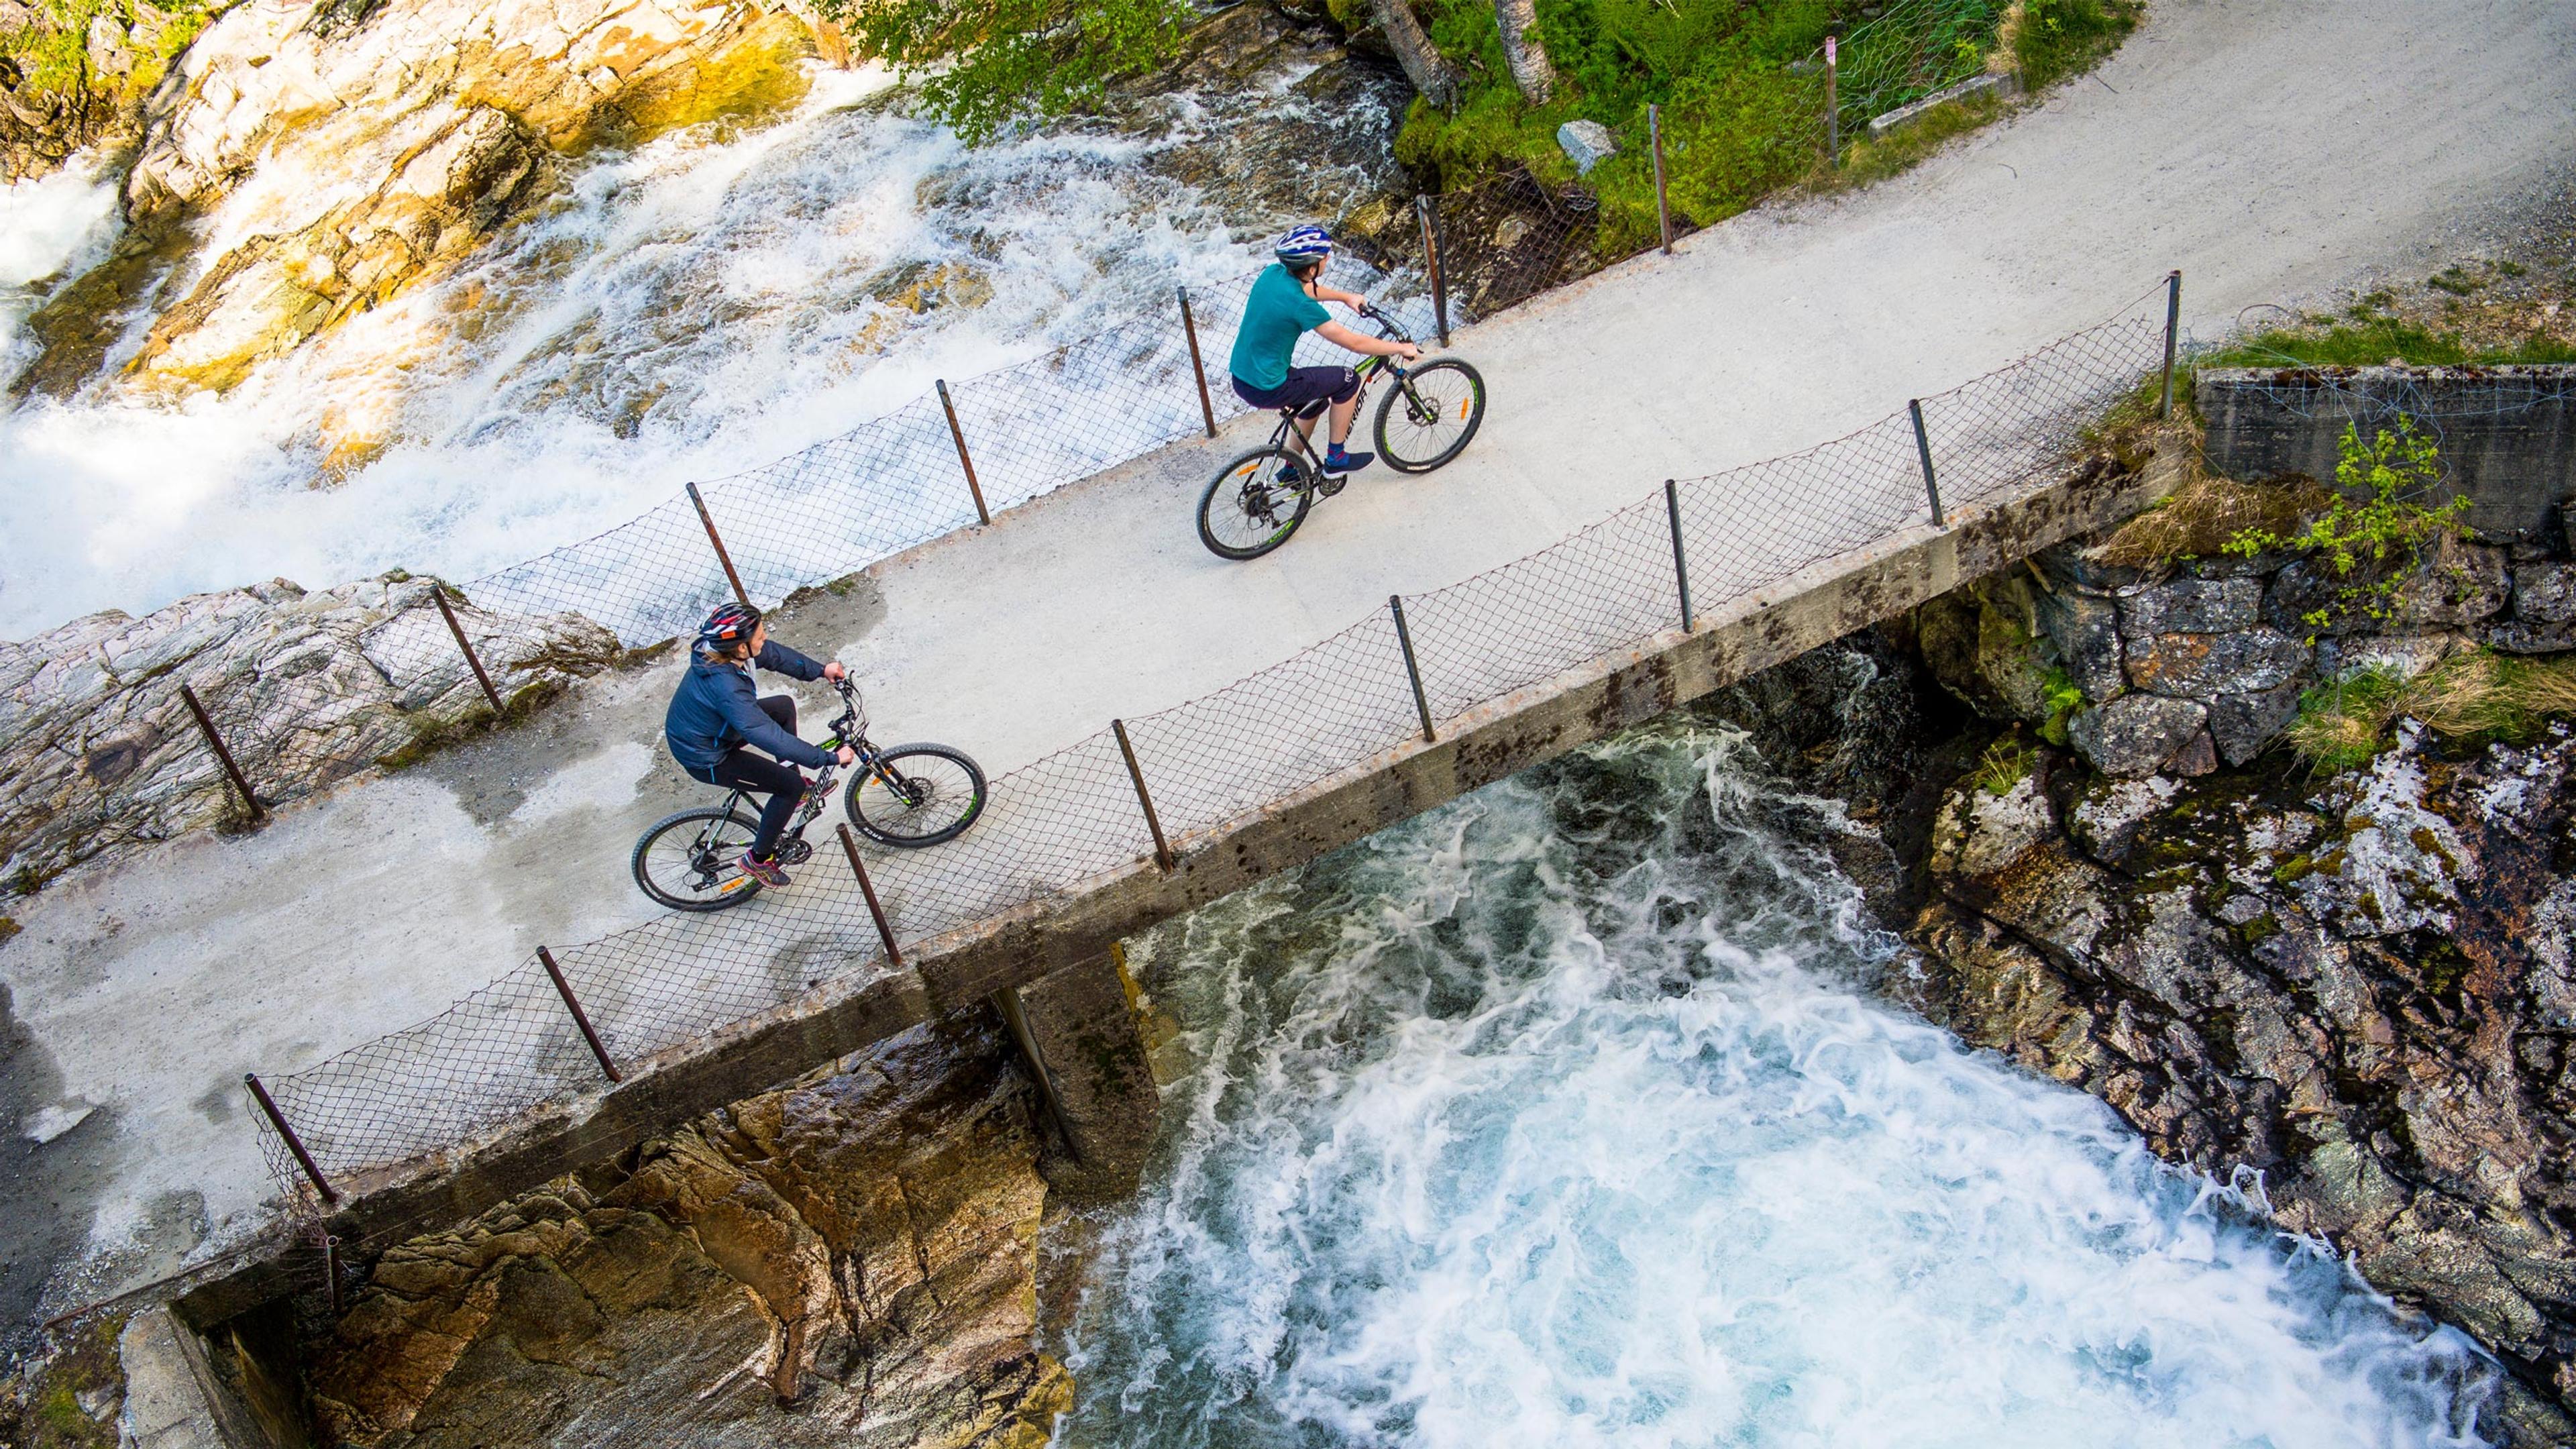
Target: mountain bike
(1428,418)
(908,796)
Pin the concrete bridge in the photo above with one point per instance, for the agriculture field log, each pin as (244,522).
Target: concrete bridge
(2215,142)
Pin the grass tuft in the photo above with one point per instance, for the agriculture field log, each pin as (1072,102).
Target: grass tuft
(2474,697)
(2200,518)
(2053,39)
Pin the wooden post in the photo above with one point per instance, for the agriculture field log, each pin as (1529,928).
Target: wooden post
(867,888)
(1833,109)
(722,557)
(232,772)
(1923,447)
(1162,848)
(580,1018)
(1681,565)
(1412,668)
(963,461)
(465,646)
(1663,206)
(2173,328)
(1198,369)
(1431,264)
(286,1134)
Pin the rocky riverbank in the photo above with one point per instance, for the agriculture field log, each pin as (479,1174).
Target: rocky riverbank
(2342,983)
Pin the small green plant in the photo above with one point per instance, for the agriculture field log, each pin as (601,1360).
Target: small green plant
(2006,763)
(2472,698)
(2058,38)
(2453,280)
(2370,547)
(2062,697)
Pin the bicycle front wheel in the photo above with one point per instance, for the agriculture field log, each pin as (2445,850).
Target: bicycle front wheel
(1430,416)
(692,861)
(916,795)
(1253,505)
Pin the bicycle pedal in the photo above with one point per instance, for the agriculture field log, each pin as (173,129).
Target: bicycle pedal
(1328,484)
(793,852)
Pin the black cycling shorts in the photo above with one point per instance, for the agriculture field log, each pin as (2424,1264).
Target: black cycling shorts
(1307,389)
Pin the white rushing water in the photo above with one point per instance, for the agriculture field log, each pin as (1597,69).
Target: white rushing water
(709,301)
(1563,1116)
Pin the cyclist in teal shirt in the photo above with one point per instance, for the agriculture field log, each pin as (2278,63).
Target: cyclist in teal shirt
(1287,302)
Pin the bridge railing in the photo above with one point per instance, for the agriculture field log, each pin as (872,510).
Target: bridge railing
(515,1047)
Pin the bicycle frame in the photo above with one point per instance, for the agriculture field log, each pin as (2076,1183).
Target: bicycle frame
(845,731)
(1369,370)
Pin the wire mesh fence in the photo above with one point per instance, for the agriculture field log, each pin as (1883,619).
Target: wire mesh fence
(514,1047)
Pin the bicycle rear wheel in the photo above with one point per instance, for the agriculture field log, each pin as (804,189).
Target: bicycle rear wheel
(1430,416)
(692,861)
(1253,505)
(917,795)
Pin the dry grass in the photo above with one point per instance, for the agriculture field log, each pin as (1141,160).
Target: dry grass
(2472,696)
(2197,519)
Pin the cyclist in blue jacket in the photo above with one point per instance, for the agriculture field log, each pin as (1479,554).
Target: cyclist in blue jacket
(718,717)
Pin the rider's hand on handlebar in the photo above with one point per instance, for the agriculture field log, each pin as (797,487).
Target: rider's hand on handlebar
(1408,352)
(835,673)
(849,756)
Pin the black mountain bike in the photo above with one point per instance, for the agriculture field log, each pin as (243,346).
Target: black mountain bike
(909,795)
(1429,417)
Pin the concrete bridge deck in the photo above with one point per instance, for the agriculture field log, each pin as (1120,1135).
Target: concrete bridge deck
(2272,152)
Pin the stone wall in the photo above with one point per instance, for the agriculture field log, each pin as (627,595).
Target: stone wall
(2508,433)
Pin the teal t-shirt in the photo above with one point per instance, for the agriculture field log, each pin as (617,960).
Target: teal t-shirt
(1276,315)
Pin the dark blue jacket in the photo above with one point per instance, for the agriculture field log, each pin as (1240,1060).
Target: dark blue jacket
(717,709)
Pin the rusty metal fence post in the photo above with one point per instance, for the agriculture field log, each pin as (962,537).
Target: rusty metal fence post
(1198,368)
(1412,667)
(739,595)
(223,755)
(982,514)
(1923,448)
(1681,566)
(286,1134)
(465,646)
(2173,329)
(1833,110)
(1162,848)
(867,888)
(1431,266)
(580,1018)
(1663,206)
(331,1269)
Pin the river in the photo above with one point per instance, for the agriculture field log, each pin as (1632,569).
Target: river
(1567,1115)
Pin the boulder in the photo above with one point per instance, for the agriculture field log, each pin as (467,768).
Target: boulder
(99,754)
(2186,666)
(2456,583)
(2240,725)
(2190,606)
(1586,143)
(2136,733)
(2086,631)
(2544,611)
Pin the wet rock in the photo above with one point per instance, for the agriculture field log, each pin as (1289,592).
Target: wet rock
(849,1262)
(2190,606)
(2086,631)
(2136,733)
(99,755)
(2240,725)
(2107,815)
(2187,666)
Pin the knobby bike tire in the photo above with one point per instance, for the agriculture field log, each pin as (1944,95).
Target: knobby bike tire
(738,887)
(1436,374)
(898,833)
(1251,468)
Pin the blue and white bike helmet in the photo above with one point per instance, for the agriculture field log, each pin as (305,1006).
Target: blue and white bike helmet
(1304,244)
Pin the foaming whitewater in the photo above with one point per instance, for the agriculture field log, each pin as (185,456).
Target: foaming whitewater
(711,300)
(1564,1116)
(51,228)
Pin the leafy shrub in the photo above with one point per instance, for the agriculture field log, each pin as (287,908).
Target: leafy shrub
(2369,547)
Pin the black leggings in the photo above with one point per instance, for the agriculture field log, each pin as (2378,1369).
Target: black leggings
(761,775)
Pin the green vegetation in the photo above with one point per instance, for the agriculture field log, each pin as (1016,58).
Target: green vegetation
(2471,698)
(2006,763)
(1873,159)
(2207,513)
(2365,336)
(47,57)
(2061,696)
(1000,62)
(2055,39)
(2370,547)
